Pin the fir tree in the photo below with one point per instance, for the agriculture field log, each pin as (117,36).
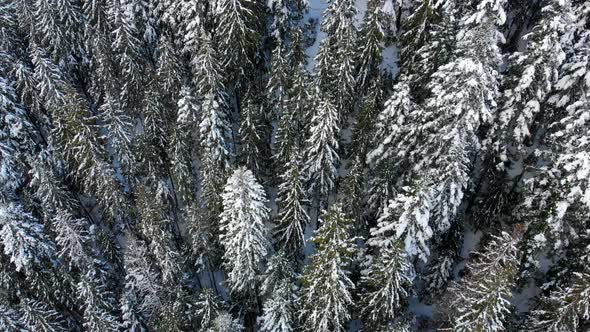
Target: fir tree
(450,126)
(336,56)
(15,141)
(279,80)
(387,281)
(279,270)
(127,46)
(119,126)
(38,316)
(214,127)
(244,235)
(237,35)
(50,82)
(97,304)
(252,140)
(481,299)
(279,310)
(58,27)
(411,226)
(9,319)
(369,49)
(292,122)
(207,307)
(291,198)
(394,136)
(428,41)
(224,322)
(23,238)
(321,154)
(76,141)
(156,226)
(277,287)
(561,190)
(141,299)
(326,286)
(531,75)
(355,183)
(565,309)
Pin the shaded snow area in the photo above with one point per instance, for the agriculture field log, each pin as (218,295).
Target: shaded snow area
(420,309)
(521,299)
(314,16)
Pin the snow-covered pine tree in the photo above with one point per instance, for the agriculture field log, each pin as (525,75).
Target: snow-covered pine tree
(335,59)
(292,124)
(9,319)
(237,36)
(128,48)
(185,135)
(481,300)
(169,69)
(178,313)
(531,76)
(279,269)
(15,141)
(119,126)
(368,95)
(23,238)
(405,218)
(427,41)
(224,322)
(363,137)
(98,43)
(98,304)
(192,22)
(152,143)
(214,126)
(463,99)
(50,83)
(292,215)
(58,27)
(369,47)
(440,270)
(38,316)
(243,233)
(283,12)
(326,297)
(563,190)
(156,227)
(566,309)
(141,299)
(201,239)
(279,311)
(279,80)
(77,141)
(394,144)
(386,285)
(277,287)
(76,246)
(321,151)
(252,143)
(207,307)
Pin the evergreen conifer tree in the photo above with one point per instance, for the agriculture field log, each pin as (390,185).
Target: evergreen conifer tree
(326,286)
(244,235)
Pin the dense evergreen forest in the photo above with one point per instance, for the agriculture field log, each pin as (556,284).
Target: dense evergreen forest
(294,165)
